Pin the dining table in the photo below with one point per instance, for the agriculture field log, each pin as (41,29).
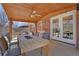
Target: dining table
(29,43)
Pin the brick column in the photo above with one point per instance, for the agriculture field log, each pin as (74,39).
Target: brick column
(77,29)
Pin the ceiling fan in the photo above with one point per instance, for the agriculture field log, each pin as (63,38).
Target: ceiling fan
(34,14)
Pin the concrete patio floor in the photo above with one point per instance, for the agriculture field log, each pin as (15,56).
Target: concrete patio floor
(57,49)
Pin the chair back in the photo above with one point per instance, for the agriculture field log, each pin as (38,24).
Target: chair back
(1,51)
(8,37)
(3,44)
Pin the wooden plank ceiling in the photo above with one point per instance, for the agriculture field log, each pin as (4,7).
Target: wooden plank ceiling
(25,12)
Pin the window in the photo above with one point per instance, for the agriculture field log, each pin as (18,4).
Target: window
(56,30)
(68,27)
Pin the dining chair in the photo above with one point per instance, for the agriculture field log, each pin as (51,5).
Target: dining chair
(3,45)
(5,51)
(0,51)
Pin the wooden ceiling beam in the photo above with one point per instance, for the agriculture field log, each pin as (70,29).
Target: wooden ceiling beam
(22,20)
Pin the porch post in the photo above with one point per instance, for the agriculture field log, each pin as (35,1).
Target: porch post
(10,29)
(36,27)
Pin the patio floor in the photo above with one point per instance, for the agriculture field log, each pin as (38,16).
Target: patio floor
(57,49)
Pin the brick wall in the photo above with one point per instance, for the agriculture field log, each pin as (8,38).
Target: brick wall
(43,25)
(39,26)
(77,28)
(46,25)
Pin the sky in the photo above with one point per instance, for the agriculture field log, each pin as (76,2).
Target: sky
(1,9)
(3,17)
(18,24)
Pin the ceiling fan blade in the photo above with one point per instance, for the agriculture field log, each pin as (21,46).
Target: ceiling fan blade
(37,14)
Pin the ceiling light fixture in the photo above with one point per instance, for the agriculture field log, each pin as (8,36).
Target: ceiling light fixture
(34,14)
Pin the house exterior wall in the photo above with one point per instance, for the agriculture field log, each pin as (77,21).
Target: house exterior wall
(43,25)
(77,29)
(43,28)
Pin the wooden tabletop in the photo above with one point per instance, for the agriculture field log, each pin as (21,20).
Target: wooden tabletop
(27,45)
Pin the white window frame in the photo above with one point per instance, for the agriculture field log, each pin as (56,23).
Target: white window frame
(73,12)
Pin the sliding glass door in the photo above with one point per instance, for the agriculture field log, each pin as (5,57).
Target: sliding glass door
(68,27)
(55,29)
(63,27)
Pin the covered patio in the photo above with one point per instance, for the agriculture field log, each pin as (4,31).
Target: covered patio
(53,26)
